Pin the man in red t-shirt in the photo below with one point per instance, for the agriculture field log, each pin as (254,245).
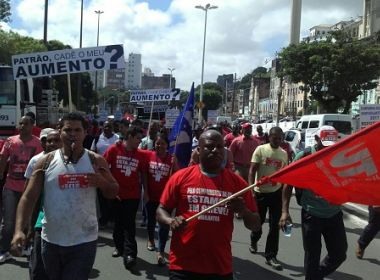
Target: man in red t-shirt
(201,248)
(16,152)
(242,148)
(128,165)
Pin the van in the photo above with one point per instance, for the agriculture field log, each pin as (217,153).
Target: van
(342,123)
(221,119)
(308,124)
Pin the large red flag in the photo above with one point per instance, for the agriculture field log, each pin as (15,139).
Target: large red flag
(347,171)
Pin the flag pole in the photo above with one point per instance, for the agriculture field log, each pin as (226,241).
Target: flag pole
(221,202)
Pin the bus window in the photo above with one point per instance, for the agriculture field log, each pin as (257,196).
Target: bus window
(314,124)
(7,87)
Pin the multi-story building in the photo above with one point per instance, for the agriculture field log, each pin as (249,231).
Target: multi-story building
(133,71)
(153,82)
(116,79)
(371,19)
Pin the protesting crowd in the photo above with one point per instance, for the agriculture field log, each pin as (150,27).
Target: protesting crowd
(61,184)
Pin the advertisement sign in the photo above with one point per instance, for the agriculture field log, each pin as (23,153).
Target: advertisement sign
(369,114)
(32,65)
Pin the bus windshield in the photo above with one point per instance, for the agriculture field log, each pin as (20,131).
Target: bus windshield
(7,87)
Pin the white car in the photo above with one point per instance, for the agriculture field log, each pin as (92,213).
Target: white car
(295,138)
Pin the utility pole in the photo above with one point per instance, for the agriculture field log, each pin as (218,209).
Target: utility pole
(233,95)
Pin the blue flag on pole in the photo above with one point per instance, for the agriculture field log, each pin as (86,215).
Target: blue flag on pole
(181,135)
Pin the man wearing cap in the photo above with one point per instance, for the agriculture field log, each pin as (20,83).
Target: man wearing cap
(319,218)
(242,148)
(50,141)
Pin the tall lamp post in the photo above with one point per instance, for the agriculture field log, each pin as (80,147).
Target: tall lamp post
(205,9)
(171,75)
(98,12)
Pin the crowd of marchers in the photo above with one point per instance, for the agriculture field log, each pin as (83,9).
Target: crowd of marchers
(61,184)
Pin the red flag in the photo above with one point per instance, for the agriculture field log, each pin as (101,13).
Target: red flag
(347,171)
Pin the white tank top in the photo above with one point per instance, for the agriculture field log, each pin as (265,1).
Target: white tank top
(69,203)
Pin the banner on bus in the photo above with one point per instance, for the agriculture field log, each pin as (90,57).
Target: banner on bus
(153,95)
(33,65)
(156,108)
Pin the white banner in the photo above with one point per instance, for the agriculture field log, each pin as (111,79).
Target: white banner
(150,95)
(32,65)
(170,117)
(369,114)
(212,116)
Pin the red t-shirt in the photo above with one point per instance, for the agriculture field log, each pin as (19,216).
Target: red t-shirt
(204,244)
(158,174)
(19,153)
(228,139)
(126,167)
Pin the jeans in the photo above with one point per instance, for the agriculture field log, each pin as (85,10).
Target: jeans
(272,203)
(333,231)
(371,229)
(124,230)
(163,230)
(187,275)
(68,263)
(36,265)
(10,201)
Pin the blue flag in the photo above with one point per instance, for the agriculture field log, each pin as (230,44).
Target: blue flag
(181,135)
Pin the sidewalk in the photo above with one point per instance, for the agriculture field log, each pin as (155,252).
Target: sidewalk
(359,210)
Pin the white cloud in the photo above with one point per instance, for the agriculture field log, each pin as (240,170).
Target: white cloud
(240,34)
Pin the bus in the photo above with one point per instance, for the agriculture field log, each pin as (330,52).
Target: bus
(16,98)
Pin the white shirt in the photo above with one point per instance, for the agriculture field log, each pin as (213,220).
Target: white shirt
(103,143)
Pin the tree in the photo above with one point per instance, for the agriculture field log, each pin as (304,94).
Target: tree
(335,71)
(5,11)
(212,97)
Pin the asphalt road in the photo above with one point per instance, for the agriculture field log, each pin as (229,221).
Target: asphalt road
(246,265)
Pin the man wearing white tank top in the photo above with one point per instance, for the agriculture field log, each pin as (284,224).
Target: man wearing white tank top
(70,227)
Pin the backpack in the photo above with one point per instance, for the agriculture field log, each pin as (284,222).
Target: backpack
(299,191)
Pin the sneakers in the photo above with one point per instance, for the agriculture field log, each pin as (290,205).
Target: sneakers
(116,253)
(129,262)
(150,246)
(359,252)
(4,257)
(253,248)
(273,262)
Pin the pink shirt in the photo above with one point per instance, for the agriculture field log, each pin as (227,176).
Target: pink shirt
(19,153)
(242,149)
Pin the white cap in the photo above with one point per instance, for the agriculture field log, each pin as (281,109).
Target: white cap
(44,132)
(328,135)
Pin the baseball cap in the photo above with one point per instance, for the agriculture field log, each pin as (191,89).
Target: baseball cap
(246,125)
(44,133)
(328,135)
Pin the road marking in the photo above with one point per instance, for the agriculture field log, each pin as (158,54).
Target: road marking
(358,207)
(356,220)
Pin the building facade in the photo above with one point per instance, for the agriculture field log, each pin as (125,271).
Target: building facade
(133,71)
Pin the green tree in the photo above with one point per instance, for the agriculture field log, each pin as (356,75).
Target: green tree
(212,97)
(335,71)
(5,11)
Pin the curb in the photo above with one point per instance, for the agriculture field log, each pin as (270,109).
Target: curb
(357,210)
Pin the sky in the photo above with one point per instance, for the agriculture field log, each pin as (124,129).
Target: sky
(241,34)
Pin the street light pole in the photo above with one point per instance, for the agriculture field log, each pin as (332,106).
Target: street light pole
(98,12)
(205,9)
(171,73)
